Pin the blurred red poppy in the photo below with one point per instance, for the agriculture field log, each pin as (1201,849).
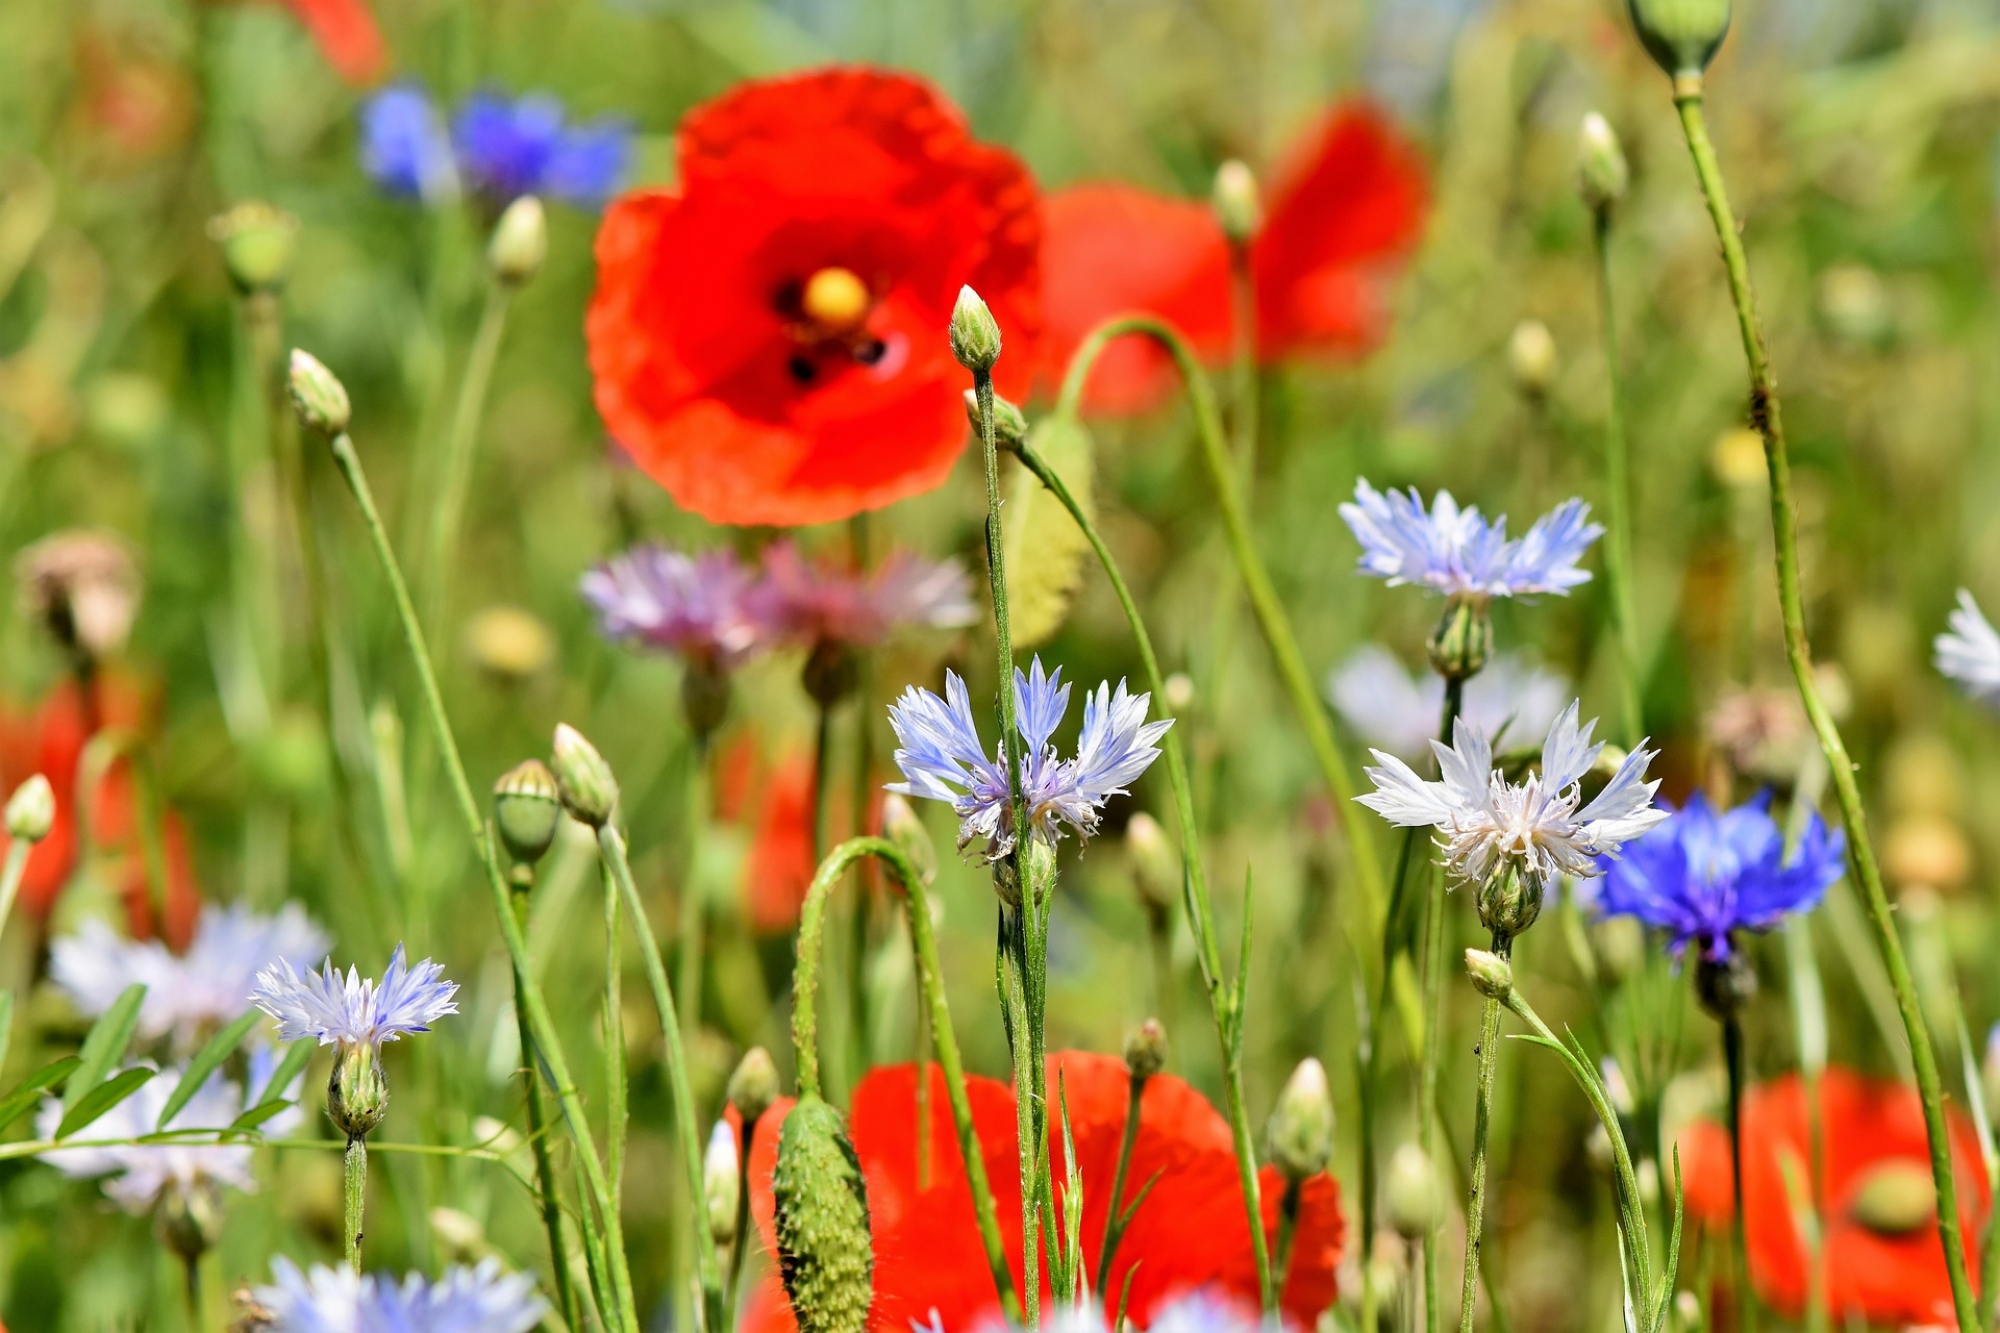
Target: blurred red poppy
(1343,211)
(781,855)
(1883,1261)
(768,337)
(1189,1235)
(347,36)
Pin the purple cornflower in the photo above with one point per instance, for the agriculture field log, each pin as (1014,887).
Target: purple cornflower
(1457,552)
(1970,652)
(942,758)
(813,603)
(1386,706)
(696,606)
(404,148)
(1703,875)
(350,1010)
(340,1300)
(510,148)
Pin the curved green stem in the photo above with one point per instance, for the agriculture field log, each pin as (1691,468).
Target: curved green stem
(1618,494)
(356,1164)
(1766,416)
(1126,1141)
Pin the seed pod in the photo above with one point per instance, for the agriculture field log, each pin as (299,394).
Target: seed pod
(825,1255)
(975,334)
(1682,36)
(527,809)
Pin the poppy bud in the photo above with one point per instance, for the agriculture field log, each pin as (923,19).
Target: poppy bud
(901,826)
(1463,639)
(1492,975)
(975,335)
(1895,1198)
(31,810)
(520,242)
(1010,425)
(317,396)
(825,1255)
(753,1085)
(1601,173)
(1509,901)
(1300,1131)
(1234,199)
(1156,870)
(357,1096)
(527,808)
(1725,985)
(1681,35)
(188,1217)
(1146,1049)
(720,1184)
(1410,1193)
(588,789)
(257,242)
(1532,358)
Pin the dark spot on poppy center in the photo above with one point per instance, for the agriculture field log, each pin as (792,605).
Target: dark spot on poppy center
(870,350)
(802,368)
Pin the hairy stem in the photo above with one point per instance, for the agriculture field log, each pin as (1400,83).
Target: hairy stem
(1482,1118)
(1126,1141)
(356,1197)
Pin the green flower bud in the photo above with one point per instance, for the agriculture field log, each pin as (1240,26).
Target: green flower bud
(357,1096)
(1010,425)
(257,243)
(1146,1049)
(589,790)
(1410,1197)
(31,810)
(1601,173)
(1682,36)
(1896,1198)
(1492,975)
(520,242)
(1040,866)
(1234,199)
(317,396)
(1156,870)
(975,335)
(1300,1131)
(188,1217)
(1532,358)
(825,1254)
(1463,639)
(901,826)
(1725,985)
(1509,901)
(753,1086)
(527,810)
(721,1185)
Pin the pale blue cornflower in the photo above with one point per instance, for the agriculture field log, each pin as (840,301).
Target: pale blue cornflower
(1384,705)
(1458,553)
(942,758)
(352,1011)
(404,147)
(340,1300)
(697,606)
(1970,652)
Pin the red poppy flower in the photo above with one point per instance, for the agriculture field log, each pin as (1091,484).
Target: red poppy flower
(1343,210)
(781,855)
(1883,1259)
(346,34)
(768,338)
(1189,1235)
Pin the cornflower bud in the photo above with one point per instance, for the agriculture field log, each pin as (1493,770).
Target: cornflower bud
(1010,425)
(901,826)
(1300,1131)
(317,396)
(1156,869)
(1146,1049)
(1463,639)
(1682,36)
(825,1254)
(1492,975)
(975,335)
(753,1086)
(1531,356)
(357,1096)
(520,242)
(1234,199)
(588,788)
(1601,173)
(1410,1193)
(720,1184)
(257,243)
(1509,901)
(527,810)
(31,810)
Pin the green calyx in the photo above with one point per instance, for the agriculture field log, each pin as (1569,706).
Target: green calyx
(1682,36)
(825,1255)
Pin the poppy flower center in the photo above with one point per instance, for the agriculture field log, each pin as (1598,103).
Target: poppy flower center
(836,301)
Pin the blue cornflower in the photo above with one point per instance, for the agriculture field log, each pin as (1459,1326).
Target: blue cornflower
(510,148)
(350,1010)
(404,148)
(1703,875)
(340,1300)
(1457,552)
(942,758)
(1970,652)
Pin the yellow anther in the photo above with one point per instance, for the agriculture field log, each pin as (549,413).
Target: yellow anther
(835,300)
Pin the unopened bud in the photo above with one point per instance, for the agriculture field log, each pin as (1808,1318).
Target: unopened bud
(901,826)
(317,396)
(527,810)
(1410,1193)
(257,243)
(1234,199)
(1146,1049)
(589,791)
(1010,425)
(1509,901)
(1463,639)
(1682,36)
(721,1186)
(31,810)
(825,1254)
(831,672)
(975,334)
(754,1084)
(1492,975)
(1601,173)
(1038,863)
(520,241)
(1300,1131)
(357,1096)
(1531,357)
(1156,871)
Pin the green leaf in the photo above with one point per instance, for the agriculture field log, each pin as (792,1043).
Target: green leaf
(296,1056)
(102,1098)
(101,1049)
(258,1114)
(1045,548)
(206,1061)
(20,1099)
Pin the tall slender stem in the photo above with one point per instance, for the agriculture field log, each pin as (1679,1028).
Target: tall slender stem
(1433,1034)
(356,1197)
(690,929)
(1482,1119)
(545,1176)
(1618,494)
(1766,416)
(1732,1054)
(617,1096)
(10,877)
(1126,1141)
(822,752)
(449,516)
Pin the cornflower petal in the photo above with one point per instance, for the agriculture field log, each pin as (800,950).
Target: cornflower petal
(1117,744)
(1567,754)
(332,1008)
(1040,702)
(1970,652)
(1459,553)
(338,1300)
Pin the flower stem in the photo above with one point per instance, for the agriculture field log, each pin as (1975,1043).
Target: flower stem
(1618,494)
(10,877)
(617,1096)
(1126,1141)
(1433,1033)
(1732,1054)
(741,1245)
(1482,1118)
(541,1025)
(822,752)
(1766,416)
(449,516)
(545,1177)
(357,1194)
(690,928)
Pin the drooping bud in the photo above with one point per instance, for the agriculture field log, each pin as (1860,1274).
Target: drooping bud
(588,788)
(1725,985)
(901,826)
(357,1096)
(1602,176)
(975,334)
(1146,1049)
(31,810)
(1509,901)
(520,241)
(1410,1193)
(753,1086)
(825,1254)
(1463,639)
(1010,424)
(1156,871)
(527,810)
(1896,1198)
(317,395)
(1532,358)
(257,243)
(1234,199)
(188,1217)
(1300,1131)
(1682,36)
(721,1186)
(1492,975)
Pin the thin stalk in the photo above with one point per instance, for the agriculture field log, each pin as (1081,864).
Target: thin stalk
(741,1245)
(1288,1226)
(541,1025)
(822,752)
(690,929)
(1766,416)
(10,877)
(1732,1053)
(545,1176)
(356,1195)
(1433,1033)
(1482,1118)
(1618,494)
(617,1095)
(449,516)
(1126,1140)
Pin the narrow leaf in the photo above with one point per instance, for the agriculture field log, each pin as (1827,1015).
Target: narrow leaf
(105,1044)
(296,1056)
(258,1114)
(15,1103)
(102,1098)
(1045,548)
(206,1061)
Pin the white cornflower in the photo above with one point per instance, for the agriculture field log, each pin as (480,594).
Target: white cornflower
(350,1010)
(1970,652)
(340,1300)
